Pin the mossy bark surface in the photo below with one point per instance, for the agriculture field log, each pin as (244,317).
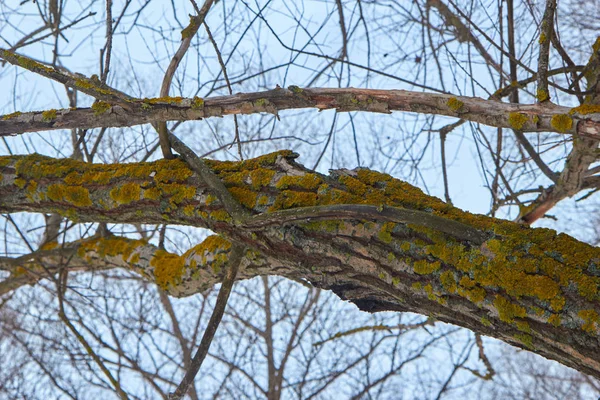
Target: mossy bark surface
(371,239)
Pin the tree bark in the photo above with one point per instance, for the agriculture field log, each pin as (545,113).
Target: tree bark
(127,112)
(371,239)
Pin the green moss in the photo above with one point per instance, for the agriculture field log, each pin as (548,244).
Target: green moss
(561,122)
(454,104)
(295,89)
(49,116)
(517,120)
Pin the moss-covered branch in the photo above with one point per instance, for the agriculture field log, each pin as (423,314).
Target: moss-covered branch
(529,287)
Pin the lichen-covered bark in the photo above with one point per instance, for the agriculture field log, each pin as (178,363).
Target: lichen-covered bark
(525,117)
(529,287)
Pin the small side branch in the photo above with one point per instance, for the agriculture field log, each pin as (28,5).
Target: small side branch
(233,265)
(547,27)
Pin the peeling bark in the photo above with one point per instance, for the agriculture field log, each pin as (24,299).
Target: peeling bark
(371,239)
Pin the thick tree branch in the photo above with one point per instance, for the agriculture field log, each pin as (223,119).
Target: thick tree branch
(529,287)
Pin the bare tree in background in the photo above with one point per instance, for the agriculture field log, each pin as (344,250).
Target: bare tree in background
(104,234)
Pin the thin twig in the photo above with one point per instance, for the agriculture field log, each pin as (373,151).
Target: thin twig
(235,258)
(547,27)
(186,39)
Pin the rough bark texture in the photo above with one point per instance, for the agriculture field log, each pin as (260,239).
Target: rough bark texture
(529,287)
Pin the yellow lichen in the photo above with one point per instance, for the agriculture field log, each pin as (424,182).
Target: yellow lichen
(168,268)
(423,267)
(306,181)
(585,109)
(189,30)
(11,115)
(554,319)
(517,120)
(245,196)
(75,195)
(100,107)
(542,95)
(591,320)
(197,103)
(126,194)
(454,104)
(542,38)
(561,122)
(507,311)
(49,116)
